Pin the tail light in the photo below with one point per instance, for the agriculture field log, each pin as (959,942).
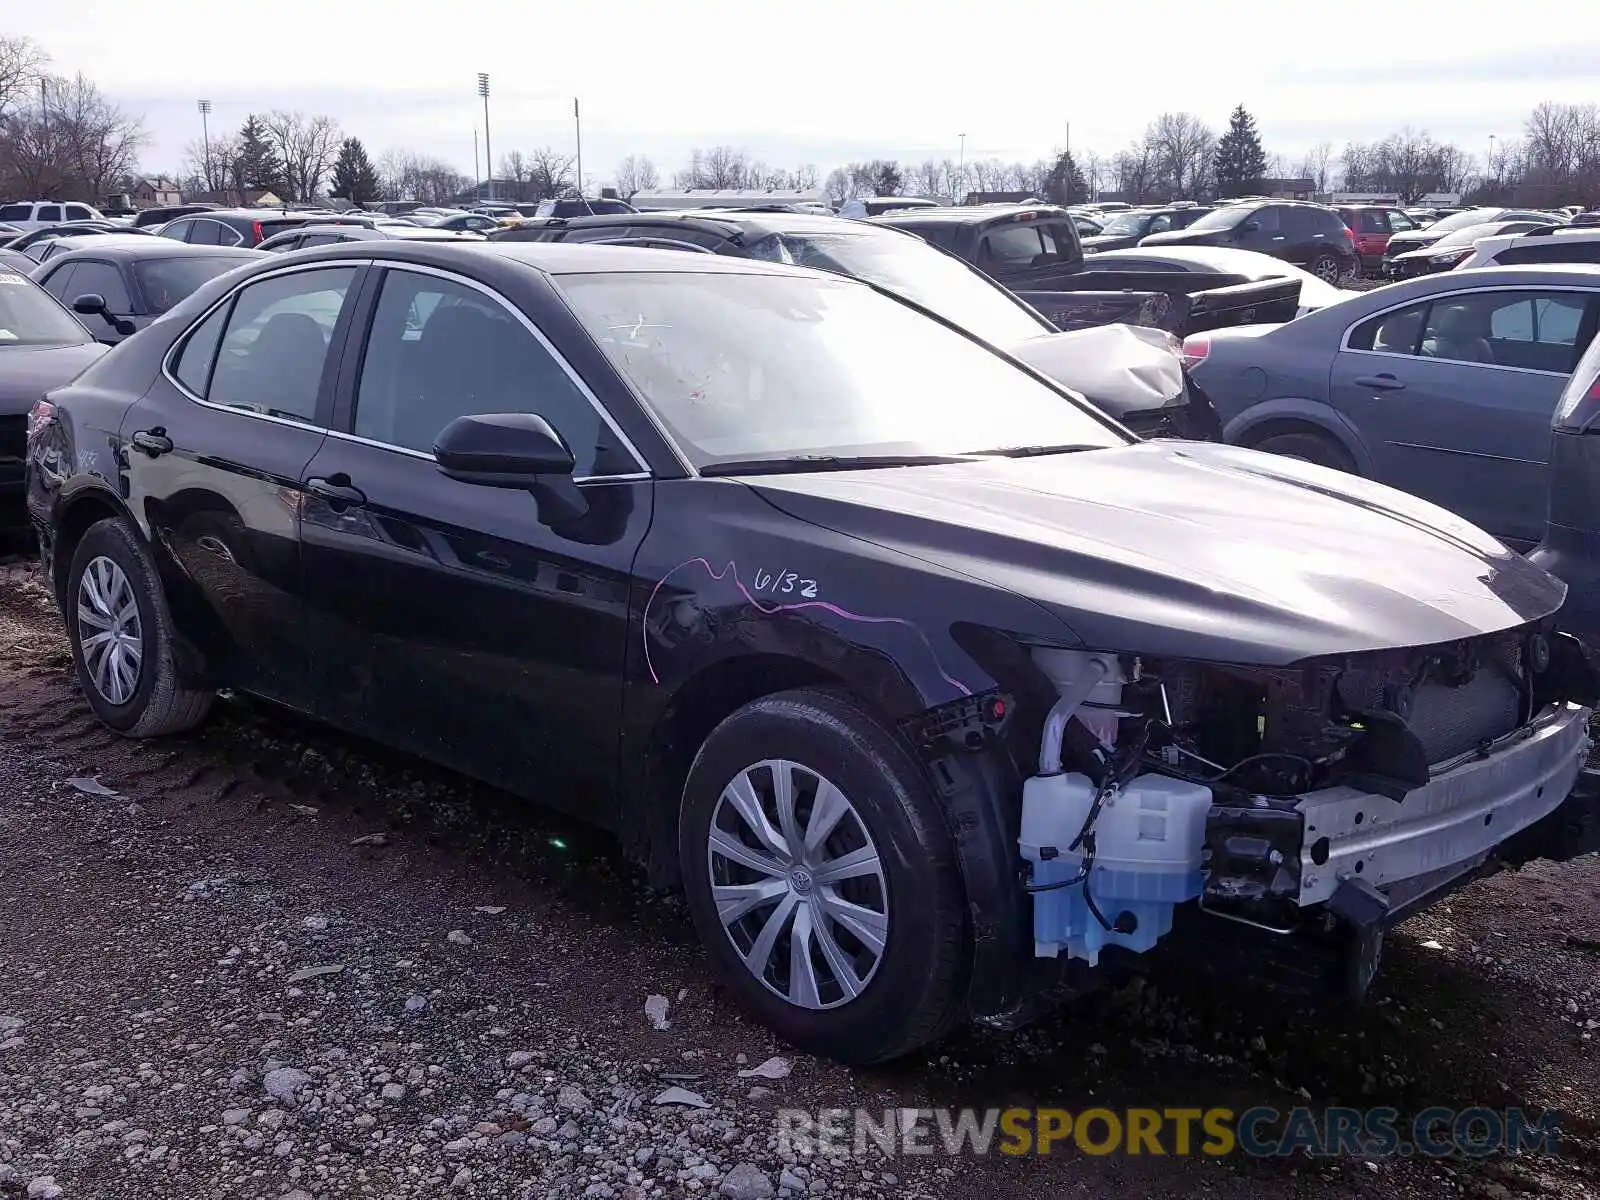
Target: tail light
(255,228)
(1195,349)
(40,415)
(1350,234)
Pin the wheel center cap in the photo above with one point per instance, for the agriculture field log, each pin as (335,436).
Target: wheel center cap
(800,880)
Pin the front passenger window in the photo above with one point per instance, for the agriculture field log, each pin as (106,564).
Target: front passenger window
(441,350)
(276,343)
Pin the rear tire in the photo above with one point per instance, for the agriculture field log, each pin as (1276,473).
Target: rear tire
(904,893)
(1327,268)
(1309,447)
(122,638)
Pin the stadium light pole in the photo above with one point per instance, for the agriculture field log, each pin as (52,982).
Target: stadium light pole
(488,155)
(205,136)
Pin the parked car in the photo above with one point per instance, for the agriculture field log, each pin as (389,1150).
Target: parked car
(1373,225)
(1138,380)
(7,232)
(751,585)
(36,214)
(579,206)
(150,218)
(1033,250)
(316,234)
(876,206)
(42,345)
(1453,248)
(1421,239)
(1307,235)
(45,251)
(247,227)
(118,286)
(1225,266)
(464,223)
(32,245)
(1571,546)
(1121,231)
(1442,385)
(1572,243)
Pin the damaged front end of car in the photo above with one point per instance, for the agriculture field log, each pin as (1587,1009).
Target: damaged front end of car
(1271,819)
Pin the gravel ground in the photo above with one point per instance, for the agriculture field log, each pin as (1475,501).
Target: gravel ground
(268,961)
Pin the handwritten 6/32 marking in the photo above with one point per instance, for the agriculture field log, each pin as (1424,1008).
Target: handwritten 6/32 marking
(783,583)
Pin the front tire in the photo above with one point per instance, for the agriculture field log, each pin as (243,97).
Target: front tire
(822,879)
(122,638)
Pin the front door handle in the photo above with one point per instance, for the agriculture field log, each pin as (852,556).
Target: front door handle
(153,442)
(338,491)
(1380,383)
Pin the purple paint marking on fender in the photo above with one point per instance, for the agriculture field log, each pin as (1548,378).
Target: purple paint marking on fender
(774,609)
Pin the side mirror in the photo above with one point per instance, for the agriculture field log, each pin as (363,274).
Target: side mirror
(89,304)
(513,450)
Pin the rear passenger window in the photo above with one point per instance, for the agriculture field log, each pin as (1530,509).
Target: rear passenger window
(204,233)
(275,346)
(192,367)
(77,212)
(1552,252)
(176,230)
(48,212)
(1395,332)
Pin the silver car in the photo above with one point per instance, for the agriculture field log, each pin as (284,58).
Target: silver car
(1442,386)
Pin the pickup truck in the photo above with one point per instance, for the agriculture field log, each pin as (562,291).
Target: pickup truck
(1033,250)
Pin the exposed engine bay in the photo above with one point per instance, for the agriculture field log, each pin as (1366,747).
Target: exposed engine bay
(1274,797)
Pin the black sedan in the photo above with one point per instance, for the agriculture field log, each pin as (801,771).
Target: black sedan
(41,346)
(791,585)
(1125,229)
(118,286)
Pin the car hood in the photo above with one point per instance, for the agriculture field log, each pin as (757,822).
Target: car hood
(1191,550)
(28,372)
(1185,237)
(1119,368)
(1416,239)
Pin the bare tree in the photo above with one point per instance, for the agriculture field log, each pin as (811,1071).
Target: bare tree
(805,177)
(404,175)
(307,146)
(514,169)
(636,174)
(1181,146)
(22,66)
(1134,171)
(212,165)
(549,173)
(724,167)
(71,142)
(1094,171)
(1315,166)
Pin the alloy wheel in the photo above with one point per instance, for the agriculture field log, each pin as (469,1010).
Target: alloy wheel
(109,630)
(798,884)
(1327,269)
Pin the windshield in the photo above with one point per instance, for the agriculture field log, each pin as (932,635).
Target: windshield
(29,317)
(1127,224)
(1460,220)
(166,281)
(910,268)
(1222,218)
(741,366)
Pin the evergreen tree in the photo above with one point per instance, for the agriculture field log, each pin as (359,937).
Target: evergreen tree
(354,177)
(258,166)
(1065,183)
(1240,161)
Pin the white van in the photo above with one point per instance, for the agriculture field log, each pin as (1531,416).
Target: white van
(29,215)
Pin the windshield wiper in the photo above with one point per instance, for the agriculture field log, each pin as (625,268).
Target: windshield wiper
(1036,451)
(827,462)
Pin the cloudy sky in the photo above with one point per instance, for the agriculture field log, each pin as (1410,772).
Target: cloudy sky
(822,81)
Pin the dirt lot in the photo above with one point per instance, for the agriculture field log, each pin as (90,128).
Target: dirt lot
(279,963)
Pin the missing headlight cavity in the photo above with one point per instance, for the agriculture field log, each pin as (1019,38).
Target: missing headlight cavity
(1164,781)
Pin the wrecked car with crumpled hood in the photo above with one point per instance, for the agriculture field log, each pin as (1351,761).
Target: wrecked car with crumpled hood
(939,693)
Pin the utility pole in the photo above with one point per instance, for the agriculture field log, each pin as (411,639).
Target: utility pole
(961,170)
(205,139)
(488,155)
(477,175)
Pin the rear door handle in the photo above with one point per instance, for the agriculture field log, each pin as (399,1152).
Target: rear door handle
(338,491)
(153,442)
(1380,383)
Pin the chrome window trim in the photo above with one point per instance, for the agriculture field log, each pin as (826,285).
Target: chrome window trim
(182,340)
(1346,348)
(538,335)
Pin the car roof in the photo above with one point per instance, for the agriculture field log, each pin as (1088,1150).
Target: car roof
(104,242)
(764,222)
(963,214)
(128,250)
(557,258)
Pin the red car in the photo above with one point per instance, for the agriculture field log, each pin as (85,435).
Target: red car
(1371,225)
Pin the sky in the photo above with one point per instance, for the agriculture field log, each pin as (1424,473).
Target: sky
(823,81)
